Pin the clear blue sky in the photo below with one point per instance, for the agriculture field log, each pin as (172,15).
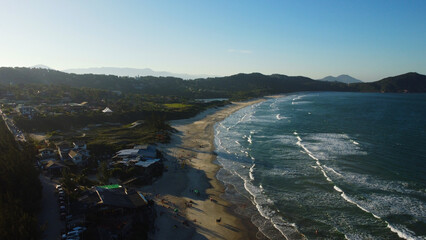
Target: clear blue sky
(368,39)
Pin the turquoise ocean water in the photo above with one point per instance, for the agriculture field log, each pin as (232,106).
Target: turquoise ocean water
(328,165)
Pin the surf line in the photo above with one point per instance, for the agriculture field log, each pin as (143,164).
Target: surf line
(342,193)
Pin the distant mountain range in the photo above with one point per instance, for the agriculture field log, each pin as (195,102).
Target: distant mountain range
(142,72)
(235,86)
(132,72)
(342,78)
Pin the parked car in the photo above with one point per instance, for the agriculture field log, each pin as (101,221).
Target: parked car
(73,233)
(79,229)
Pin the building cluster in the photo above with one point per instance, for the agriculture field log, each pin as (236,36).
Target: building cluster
(27,111)
(113,211)
(53,160)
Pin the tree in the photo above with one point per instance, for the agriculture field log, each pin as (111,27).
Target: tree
(103,173)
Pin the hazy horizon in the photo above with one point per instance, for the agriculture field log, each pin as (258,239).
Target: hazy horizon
(366,40)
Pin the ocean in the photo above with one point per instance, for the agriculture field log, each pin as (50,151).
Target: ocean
(328,165)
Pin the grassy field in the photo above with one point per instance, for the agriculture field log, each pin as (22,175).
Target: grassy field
(114,138)
(177,106)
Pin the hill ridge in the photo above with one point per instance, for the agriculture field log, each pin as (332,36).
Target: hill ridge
(242,85)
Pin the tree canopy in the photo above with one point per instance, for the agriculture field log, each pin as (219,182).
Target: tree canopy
(20,189)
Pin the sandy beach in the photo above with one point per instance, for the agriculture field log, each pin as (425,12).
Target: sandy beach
(188,195)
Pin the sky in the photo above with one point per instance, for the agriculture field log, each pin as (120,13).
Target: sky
(367,39)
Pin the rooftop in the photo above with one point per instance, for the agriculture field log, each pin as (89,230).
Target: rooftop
(120,197)
(147,163)
(54,164)
(74,153)
(110,186)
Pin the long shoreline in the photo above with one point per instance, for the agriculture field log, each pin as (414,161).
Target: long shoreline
(188,195)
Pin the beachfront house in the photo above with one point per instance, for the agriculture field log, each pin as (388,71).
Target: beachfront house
(145,161)
(138,156)
(63,150)
(116,210)
(80,145)
(54,168)
(45,153)
(76,157)
(116,196)
(145,152)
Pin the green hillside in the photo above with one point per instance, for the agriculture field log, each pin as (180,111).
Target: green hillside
(235,86)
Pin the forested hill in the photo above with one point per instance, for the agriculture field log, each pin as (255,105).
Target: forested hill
(409,82)
(239,85)
(20,189)
(259,84)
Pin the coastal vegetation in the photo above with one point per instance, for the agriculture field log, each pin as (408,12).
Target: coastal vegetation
(110,139)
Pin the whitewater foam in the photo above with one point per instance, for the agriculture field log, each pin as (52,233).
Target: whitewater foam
(279,117)
(332,170)
(403,234)
(401,231)
(249,140)
(262,203)
(251,171)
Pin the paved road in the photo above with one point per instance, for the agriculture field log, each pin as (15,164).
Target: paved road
(49,210)
(19,136)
